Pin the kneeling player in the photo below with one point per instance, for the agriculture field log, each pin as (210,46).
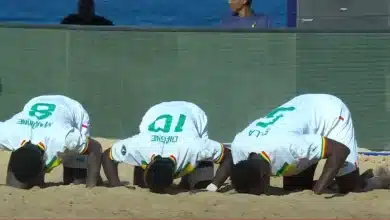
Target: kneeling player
(291,140)
(172,143)
(48,128)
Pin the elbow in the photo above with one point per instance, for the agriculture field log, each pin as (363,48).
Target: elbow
(342,151)
(106,155)
(227,162)
(228,158)
(337,149)
(346,151)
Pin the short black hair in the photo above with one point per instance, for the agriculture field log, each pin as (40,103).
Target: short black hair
(247,175)
(26,163)
(159,174)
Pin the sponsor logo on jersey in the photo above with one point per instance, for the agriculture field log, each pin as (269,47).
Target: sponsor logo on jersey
(123,150)
(34,124)
(164,139)
(257,133)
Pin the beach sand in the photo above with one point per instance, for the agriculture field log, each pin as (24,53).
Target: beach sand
(78,202)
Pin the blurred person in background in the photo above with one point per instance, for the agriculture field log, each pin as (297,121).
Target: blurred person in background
(244,16)
(86,15)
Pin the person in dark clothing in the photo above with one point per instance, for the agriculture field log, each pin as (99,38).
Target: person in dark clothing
(86,15)
(244,16)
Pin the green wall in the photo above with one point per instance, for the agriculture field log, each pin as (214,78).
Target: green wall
(235,77)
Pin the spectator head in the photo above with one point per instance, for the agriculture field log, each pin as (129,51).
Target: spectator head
(238,5)
(86,8)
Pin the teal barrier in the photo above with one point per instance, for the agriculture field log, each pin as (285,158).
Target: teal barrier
(235,77)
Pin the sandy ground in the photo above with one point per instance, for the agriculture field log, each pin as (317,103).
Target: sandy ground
(77,202)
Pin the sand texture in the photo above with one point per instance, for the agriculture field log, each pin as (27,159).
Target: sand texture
(78,202)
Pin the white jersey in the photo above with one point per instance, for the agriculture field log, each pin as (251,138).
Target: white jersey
(139,150)
(291,135)
(168,121)
(56,123)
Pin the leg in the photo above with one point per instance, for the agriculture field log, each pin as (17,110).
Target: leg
(138,177)
(67,175)
(201,177)
(74,171)
(94,153)
(79,175)
(301,181)
(75,167)
(184,182)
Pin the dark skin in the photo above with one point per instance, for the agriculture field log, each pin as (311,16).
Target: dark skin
(110,168)
(241,7)
(303,181)
(336,155)
(224,169)
(94,163)
(92,178)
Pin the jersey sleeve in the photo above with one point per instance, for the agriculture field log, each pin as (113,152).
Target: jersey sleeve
(125,151)
(210,150)
(85,124)
(82,120)
(76,141)
(312,147)
(201,122)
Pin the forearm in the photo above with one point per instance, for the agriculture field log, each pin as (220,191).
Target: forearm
(331,168)
(333,164)
(94,163)
(224,169)
(110,168)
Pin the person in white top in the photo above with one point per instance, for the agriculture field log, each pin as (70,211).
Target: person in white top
(169,120)
(291,140)
(172,143)
(48,128)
